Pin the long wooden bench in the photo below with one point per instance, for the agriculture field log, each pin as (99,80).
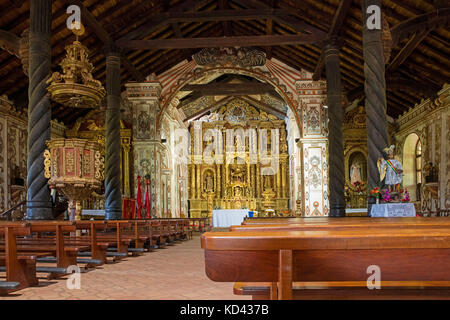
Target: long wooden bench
(347,220)
(345,223)
(277,259)
(20,268)
(57,250)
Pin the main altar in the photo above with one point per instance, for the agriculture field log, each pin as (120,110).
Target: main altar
(236,181)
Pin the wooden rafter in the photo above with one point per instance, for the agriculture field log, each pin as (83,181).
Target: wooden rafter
(335,29)
(234,89)
(210,108)
(89,19)
(264,40)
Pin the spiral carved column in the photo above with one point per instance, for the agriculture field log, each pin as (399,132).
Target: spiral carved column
(375,91)
(335,116)
(113,195)
(39,204)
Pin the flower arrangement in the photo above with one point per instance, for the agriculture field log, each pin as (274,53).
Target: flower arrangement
(376,192)
(358,186)
(387,196)
(406,197)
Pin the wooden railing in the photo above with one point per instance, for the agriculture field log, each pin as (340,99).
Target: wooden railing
(8,213)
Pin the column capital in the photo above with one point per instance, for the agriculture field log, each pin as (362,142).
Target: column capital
(333,43)
(111,49)
(150,90)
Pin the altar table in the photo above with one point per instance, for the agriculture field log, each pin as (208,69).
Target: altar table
(227,217)
(393,210)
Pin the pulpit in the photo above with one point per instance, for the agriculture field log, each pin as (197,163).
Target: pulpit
(75,168)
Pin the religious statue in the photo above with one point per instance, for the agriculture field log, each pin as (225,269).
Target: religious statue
(390,169)
(238,175)
(267,182)
(355,172)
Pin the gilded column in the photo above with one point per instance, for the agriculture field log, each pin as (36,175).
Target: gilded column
(278,178)
(258,180)
(335,116)
(39,206)
(193,193)
(218,181)
(375,91)
(113,195)
(283,179)
(198,184)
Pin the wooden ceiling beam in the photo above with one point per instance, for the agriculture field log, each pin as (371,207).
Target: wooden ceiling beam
(157,21)
(246,41)
(286,19)
(218,89)
(223,5)
(335,30)
(427,21)
(405,52)
(9,42)
(265,107)
(210,108)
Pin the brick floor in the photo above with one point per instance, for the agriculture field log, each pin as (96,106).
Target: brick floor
(174,273)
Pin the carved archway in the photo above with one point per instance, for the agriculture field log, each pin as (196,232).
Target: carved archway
(197,74)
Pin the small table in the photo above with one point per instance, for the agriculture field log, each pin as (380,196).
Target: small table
(226,218)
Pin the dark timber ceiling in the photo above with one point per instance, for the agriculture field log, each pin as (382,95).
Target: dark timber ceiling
(419,60)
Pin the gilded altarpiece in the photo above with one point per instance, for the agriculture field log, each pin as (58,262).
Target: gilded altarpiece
(237,175)
(355,157)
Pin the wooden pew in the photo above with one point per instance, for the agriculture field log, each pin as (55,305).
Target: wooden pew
(160,235)
(346,223)
(20,267)
(347,220)
(283,257)
(55,247)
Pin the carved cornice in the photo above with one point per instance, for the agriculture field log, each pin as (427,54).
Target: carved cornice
(143,91)
(238,57)
(425,109)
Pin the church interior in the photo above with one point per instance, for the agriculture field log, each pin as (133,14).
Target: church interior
(245,136)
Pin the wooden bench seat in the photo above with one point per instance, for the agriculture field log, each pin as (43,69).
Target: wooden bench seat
(19,268)
(349,290)
(284,257)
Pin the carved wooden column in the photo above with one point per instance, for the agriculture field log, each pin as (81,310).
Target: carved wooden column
(335,116)
(39,204)
(375,91)
(198,184)
(192,181)
(219,182)
(113,195)
(283,179)
(278,178)
(258,180)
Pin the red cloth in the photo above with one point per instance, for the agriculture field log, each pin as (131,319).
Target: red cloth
(139,198)
(147,200)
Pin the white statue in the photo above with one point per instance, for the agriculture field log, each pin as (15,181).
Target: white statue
(355,172)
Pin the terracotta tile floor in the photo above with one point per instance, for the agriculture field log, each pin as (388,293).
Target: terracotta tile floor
(174,273)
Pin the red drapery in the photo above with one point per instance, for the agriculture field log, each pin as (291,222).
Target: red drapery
(139,198)
(147,199)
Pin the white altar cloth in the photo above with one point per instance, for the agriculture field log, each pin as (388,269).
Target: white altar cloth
(227,217)
(393,210)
